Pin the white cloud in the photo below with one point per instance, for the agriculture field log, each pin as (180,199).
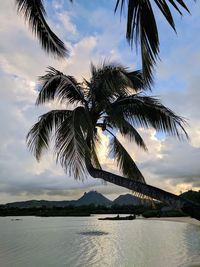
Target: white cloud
(21,176)
(64,18)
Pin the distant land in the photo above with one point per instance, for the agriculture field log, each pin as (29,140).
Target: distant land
(92,197)
(95,203)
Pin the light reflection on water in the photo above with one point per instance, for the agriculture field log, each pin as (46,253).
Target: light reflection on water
(93,233)
(88,242)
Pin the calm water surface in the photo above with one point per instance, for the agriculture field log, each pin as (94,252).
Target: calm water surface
(87,242)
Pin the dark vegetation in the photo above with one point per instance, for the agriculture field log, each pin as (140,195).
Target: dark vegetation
(160,211)
(192,195)
(145,211)
(72,210)
(157,210)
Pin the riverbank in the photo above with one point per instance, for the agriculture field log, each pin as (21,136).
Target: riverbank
(177,219)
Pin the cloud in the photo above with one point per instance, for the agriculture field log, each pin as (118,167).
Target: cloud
(64,18)
(168,164)
(20,174)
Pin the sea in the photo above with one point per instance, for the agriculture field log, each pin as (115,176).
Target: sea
(89,242)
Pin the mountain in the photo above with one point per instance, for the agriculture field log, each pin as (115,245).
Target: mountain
(127,199)
(93,197)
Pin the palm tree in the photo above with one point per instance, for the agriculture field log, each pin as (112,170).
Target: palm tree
(113,100)
(141,27)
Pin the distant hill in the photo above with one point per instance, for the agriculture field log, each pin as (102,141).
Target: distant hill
(127,199)
(93,197)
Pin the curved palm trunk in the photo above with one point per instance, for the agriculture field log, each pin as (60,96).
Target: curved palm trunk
(176,202)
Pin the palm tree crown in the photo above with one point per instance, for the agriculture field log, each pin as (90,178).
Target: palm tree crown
(113,100)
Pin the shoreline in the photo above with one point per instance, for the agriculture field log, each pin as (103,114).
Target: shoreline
(176,219)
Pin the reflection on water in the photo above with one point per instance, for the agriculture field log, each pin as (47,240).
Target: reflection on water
(93,233)
(191,235)
(88,242)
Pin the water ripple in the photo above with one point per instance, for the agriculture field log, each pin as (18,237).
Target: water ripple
(93,233)
(87,242)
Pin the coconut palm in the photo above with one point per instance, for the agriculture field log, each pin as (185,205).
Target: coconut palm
(114,101)
(141,27)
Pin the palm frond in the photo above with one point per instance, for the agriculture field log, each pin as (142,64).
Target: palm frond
(144,111)
(56,85)
(112,80)
(109,81)
(128,131)
(70,144)
(125,162)
(34,13)
(137,80)
(38,138)
(142,27)
(94,159)
(118,121)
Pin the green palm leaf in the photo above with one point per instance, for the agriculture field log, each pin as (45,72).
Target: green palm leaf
(148,112)
(137,80)
(142,27)
(34,12)
(113,80)
(38,138)
(71,145)
(117,121)
(56,85)
(125,162)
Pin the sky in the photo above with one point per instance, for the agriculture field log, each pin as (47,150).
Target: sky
(92,32)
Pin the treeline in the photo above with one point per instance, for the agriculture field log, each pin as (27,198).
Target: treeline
(160,209)
(192,195)
(145,211)
(159,213)
(72,210)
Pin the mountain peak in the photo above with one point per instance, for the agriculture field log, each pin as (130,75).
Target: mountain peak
(127,199)
(93,197)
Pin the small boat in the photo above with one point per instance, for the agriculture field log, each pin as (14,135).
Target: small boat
(118,218)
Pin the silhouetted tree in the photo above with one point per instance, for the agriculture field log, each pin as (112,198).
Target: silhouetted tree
(141,27)
(112,100)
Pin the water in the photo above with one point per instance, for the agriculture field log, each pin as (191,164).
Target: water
(87,242)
